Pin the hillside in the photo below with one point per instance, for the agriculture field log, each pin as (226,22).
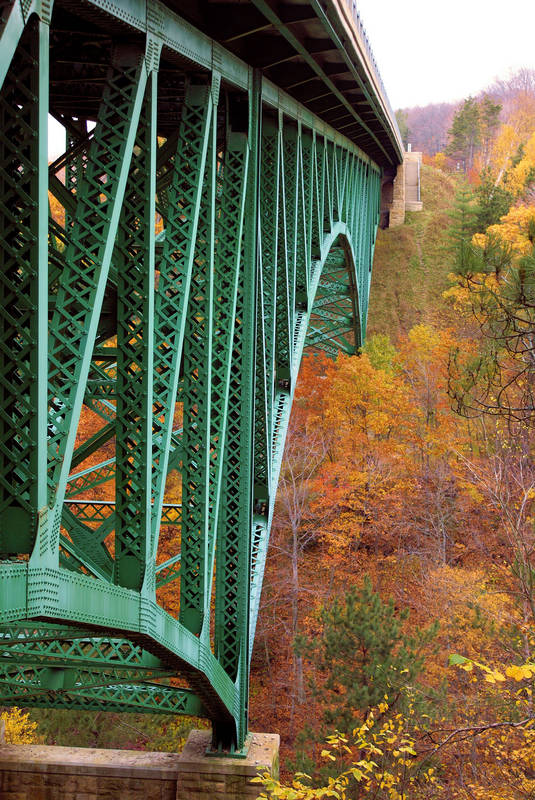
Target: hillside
(426,127)
(410,264)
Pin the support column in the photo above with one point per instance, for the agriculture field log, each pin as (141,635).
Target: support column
(202,776)
(397,209)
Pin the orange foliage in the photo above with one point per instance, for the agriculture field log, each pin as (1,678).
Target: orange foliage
(393,497)
(374,464)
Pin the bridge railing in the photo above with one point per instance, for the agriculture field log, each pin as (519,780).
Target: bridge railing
(365,42)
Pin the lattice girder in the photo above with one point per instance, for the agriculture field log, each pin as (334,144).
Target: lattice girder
(210,229)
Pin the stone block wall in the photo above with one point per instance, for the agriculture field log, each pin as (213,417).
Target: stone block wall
(205,776)
(38,772)
(35,772)
(406,189)
(397,209)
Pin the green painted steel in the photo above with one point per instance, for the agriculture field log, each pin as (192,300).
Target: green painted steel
(160,282)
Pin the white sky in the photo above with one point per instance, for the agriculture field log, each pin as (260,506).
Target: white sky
(430,51)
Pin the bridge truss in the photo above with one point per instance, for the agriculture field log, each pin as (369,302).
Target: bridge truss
(159,283)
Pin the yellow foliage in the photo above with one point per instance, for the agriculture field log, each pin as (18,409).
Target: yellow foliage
(19,727)
(440,161)
(466,294)
(518,175)
(513,228)
(425,341)
(520,673)
(504,148)
(502,751)
(383,757)
(522,114)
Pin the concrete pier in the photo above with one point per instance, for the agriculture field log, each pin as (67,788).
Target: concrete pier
(220,778)
(39,772)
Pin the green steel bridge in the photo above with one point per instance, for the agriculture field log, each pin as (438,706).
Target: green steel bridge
(214,214)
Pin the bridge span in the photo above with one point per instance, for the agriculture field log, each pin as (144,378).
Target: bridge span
(214,214)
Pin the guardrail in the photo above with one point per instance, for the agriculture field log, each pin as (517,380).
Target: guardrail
(361,31)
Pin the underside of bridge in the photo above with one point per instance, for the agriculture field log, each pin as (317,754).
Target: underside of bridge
(213,215)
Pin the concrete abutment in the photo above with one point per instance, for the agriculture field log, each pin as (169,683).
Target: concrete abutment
(40,772)
(400,191)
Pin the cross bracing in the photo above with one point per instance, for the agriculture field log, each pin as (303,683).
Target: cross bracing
(160,281)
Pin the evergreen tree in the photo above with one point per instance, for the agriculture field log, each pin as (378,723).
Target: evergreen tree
(463,226)
(473,130)
(403,125)
(362,655)
(492,202)
(465,134)
(489,119)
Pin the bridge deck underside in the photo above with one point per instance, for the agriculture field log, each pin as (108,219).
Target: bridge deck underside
(317,53)
(160,281)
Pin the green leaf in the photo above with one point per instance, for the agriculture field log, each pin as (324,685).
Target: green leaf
(455,659)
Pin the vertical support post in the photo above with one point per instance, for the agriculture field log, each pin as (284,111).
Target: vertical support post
(197,399)
(24,291)
(135,338)
(83,281)
(291,142)
(361,233)
(41,367)
(41,388)
(10,35)
(309,179)
(316,213)
(328,186)
(284,300)
(267,310)
(251,264)
(301,243)
(234,541)
(229,256)
(175,268)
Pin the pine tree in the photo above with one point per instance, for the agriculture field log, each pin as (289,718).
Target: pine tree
(463,226)
(473,130)
(362,655)
(465,133)
(493,202)
(489,119)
